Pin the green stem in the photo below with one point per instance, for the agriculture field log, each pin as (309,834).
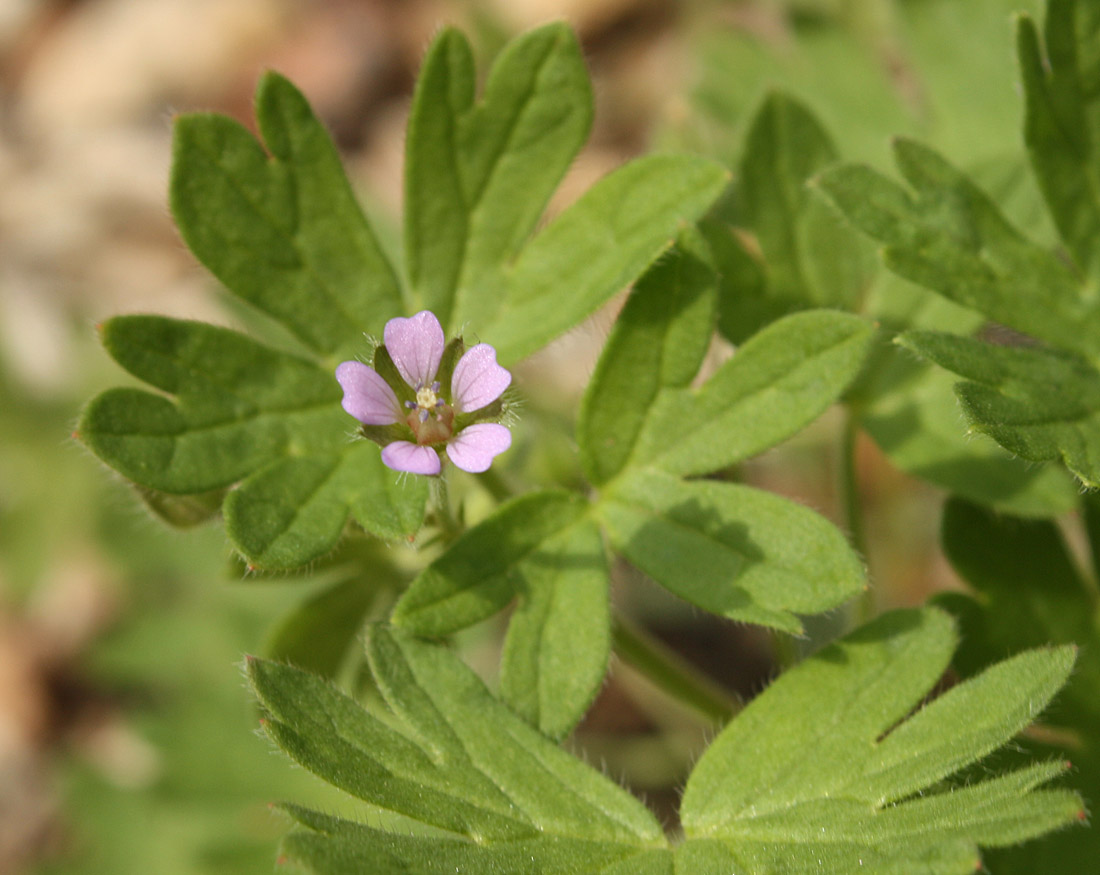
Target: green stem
(671,673)
(443,517)
(853,507)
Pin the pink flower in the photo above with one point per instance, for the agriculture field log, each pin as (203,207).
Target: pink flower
(433,418)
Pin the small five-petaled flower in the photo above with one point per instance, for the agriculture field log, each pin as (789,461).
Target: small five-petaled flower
(412,415)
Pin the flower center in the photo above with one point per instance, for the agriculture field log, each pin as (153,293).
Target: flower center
(430,429)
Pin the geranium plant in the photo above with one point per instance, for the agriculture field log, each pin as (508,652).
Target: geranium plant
(872,754)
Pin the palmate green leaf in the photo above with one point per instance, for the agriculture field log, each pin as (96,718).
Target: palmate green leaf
(824,773)
(658,342)
(282,229)
(1062,126)
(732,550)
(776,383)
(243,410)
(1037,403)
(948,236)
(478,175)
(913,415)
(1029,591)
(599,245)
(449,755)
(810,259)
(542,549)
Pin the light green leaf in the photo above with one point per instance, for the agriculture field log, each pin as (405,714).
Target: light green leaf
(948,236)
(658,342)
(599,245)
(915,420)
(732,550)
(1029,592)
(775,384)
(1038,404)
(282,228)
(447,753)
(1062,126)
(811,259)
(558,643)
(295,510)
(483,570)
(478,176)
(823,770)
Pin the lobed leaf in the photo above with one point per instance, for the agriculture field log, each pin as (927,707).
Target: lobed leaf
(239,405)
(824,766)
(732,550)
(1037,403)
(658,342)
(282,229)
(599,245)
(478,175)
(447,753)
(485,567)
(243,411)
(775,384)
(947,235)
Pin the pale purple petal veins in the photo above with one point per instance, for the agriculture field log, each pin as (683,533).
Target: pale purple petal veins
(416,346)
(478,380)
(474,448)
(367,396)
(406,456)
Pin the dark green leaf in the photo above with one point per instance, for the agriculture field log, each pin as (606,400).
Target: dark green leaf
(1038,404)
(282,229)
(658,342)
(555,654)
(238,405)
(482,571)
(777,383)
(599,245)
(478,176)
(823,770)
(182,511)
(1030,592)
(735,551)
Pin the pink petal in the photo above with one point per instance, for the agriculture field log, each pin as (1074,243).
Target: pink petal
(405,456)
(475,447)
(478,379)
(415,345)
(367,396)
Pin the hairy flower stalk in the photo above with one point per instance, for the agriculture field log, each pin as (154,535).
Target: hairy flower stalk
(403,404)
